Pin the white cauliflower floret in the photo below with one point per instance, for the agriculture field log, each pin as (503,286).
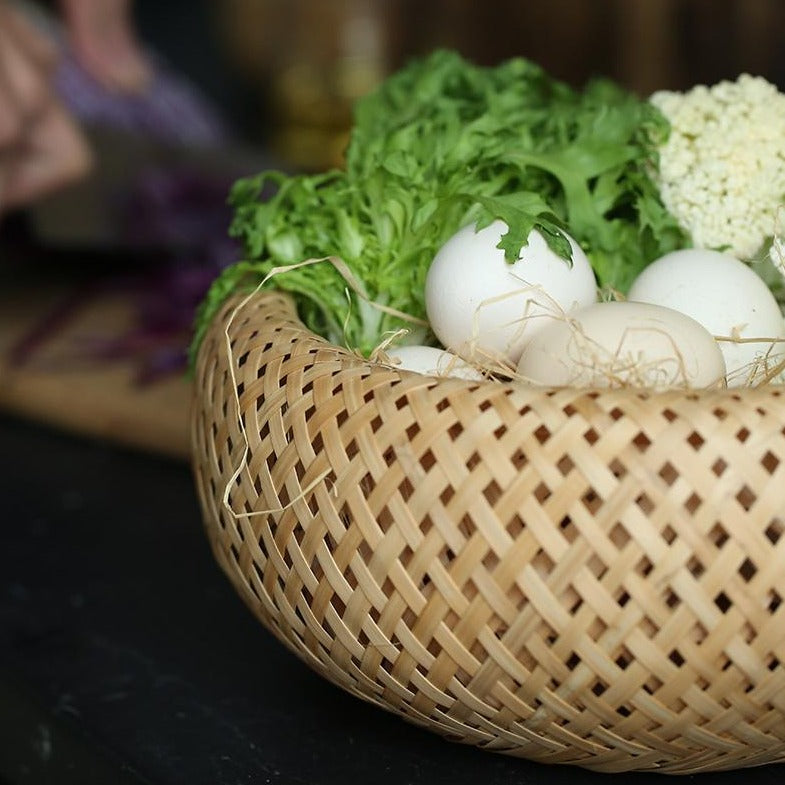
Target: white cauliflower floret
(722,169)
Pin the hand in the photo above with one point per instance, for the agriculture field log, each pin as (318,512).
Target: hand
(104,42)
(41,148)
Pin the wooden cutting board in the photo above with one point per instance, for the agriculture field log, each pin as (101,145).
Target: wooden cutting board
(98,399)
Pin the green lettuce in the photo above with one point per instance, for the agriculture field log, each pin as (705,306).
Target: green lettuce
(440,144)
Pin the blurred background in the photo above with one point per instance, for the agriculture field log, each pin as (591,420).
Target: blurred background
(286,71)
(100,281)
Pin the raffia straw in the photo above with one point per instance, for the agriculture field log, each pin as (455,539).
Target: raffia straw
(356,286)
(619,372)
(622,371)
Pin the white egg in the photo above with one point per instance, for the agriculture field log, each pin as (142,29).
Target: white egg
(623,344)
(431,361)
(728,298)
(480,306)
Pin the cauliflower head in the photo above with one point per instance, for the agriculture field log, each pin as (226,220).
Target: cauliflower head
(722,168)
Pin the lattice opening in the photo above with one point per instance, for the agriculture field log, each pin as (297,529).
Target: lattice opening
(565,465)
(670,415)
(351,449)
(385,519)
(492,492)
(542,493)
(542,434)
(746,498)
(472,461)
(367,484)
(747,570)
(668,473)
(652,685)
(696,567)
(618,469)
(596,629)
(597,567)
(668,533)
(543,563)
(446,556)
(428,460)
(676,658)
(696,441)
(770,462)
(743,434)
(406,489)
(718,535)
(350,577)
(527,660)
(568,529)
(619,536)
(547,633)
(644,566)
(515,526)
(500,431)
(774,531)
(405,556)
(518,459)
(698,633)
(648,627)
(774,601)
(641,442)
(692,503)
(624,658)
(672,600)
(408,617)
(490,561)
(455,430)
(645,503)
(616,413)
(591,436)
(317,443)
(573,661)
(412,430)
(599,687)
(723,602)
(365,551)
(592,500)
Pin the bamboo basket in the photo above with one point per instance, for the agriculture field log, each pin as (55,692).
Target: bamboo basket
(570,576)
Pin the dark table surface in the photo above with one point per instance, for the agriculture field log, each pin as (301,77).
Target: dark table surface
(126,657)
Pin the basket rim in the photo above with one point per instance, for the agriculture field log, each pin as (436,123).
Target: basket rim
(282,304)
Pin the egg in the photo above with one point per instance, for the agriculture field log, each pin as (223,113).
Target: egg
(728,298)
(431,361)
(623,344)
(483,307)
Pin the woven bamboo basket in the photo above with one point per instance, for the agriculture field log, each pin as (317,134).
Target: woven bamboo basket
(570,576)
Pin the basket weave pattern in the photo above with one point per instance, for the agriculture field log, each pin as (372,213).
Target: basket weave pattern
(568,576)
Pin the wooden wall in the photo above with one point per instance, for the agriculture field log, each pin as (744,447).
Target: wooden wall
(643,44)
